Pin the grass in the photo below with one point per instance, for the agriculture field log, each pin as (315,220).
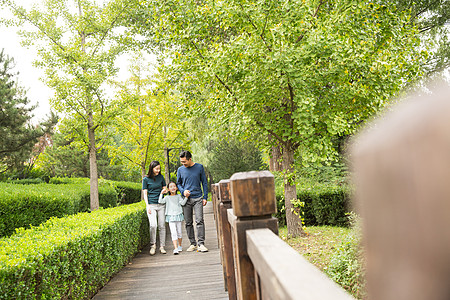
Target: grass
(318,245)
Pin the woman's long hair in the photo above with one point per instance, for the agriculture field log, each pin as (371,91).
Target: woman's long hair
(150,173)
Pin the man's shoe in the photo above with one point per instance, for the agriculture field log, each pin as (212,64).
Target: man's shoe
(191,248)
(180,248)
(163,251)
(175,251)
(202,248)
(152,249)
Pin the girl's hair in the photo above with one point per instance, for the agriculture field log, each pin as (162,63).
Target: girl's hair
(153,164)
(176,192)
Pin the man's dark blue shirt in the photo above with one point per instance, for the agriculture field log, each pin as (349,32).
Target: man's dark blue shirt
(193,179)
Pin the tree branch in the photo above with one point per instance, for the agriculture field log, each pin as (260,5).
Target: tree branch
(109,29)
(35,24)
(256,29)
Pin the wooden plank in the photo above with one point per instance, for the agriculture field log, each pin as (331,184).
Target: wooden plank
(245,279)
(285,274)
(189,275)
(231,217)
(220,239)
(227,241)
(224,191)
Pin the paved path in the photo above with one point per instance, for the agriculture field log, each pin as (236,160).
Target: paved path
(189,275)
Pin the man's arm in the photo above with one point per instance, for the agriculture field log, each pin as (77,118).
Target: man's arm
(180,182)
(204,184)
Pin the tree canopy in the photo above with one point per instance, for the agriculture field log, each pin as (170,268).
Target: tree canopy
(78,43)
(432,19)
(299,73)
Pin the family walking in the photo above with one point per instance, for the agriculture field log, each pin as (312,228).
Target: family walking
(175,208)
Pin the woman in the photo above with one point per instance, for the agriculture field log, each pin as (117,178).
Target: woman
(152,184)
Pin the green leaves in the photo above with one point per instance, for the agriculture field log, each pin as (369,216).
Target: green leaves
(25,205)
(70,257)
(265,60)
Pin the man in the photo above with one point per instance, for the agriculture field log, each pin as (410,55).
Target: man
(191,178)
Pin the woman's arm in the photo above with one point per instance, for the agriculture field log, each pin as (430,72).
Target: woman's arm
(146,201)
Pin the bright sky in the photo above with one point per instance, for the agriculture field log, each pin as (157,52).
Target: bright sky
(28,76)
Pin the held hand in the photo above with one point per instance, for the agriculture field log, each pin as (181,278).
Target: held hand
(204,202)
(187,193)
(150,211)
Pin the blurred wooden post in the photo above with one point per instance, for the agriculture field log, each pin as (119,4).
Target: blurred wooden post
(215,203)
(227,244)
(253,202)
(402,175)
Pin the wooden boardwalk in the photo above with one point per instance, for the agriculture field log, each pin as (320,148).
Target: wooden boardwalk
(189,275)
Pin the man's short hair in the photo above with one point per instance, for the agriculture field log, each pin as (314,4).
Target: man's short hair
(186,154)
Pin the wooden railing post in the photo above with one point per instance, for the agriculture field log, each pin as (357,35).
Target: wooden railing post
(227,245)
(215,203)
(253,202)
(402,174)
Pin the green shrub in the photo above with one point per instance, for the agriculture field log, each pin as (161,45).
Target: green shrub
(71,257)
(69,180)
(347,266)
(320,204)
(26,181)
(128,192)
(25,205)
(329,204)
(107,197)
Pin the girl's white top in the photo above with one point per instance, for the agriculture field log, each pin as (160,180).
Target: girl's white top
(173,204)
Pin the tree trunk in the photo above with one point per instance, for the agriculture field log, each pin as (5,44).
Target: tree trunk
(275,159)
(143,175)
(293,217)
(166,164)
(93,166)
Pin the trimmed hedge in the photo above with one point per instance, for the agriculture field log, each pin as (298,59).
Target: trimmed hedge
(25,205)
(322,204)
(71,257)
(128,192)
(26,181)
(69,180)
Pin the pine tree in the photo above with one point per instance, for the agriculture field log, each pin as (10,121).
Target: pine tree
(17,135)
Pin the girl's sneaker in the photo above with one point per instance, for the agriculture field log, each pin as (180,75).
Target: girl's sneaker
(175,251)
(180,248)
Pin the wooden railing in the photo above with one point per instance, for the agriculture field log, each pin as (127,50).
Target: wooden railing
(257,264)
(401,170)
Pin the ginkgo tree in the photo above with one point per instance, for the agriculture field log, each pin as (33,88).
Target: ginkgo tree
(297,72)
(77,43)
(152,121)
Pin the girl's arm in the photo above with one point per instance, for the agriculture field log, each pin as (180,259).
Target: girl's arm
(161,200)
(182,200)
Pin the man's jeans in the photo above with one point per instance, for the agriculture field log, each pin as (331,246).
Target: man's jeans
(194,205)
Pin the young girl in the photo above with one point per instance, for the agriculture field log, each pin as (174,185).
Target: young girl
(174,214)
